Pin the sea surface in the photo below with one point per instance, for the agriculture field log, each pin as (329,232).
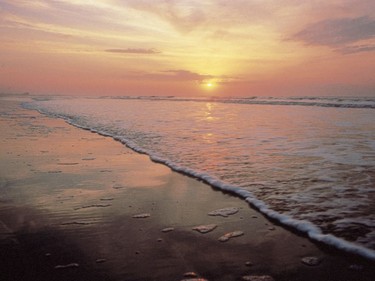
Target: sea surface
(307,162)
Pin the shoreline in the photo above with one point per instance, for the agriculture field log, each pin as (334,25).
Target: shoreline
(302,227)
(77,193)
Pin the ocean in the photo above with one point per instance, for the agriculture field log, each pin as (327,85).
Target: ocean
(306,162)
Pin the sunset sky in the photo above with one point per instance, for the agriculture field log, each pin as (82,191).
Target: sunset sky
(188,48)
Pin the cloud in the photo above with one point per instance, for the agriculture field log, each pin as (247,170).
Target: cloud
(356,49)
(181,75)
(336,32)
(186,75)
(184,16)
(176,75)
(134,51)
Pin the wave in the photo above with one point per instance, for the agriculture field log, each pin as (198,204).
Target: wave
(339,102)
(309,229)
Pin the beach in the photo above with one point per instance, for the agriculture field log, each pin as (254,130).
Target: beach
(75,205)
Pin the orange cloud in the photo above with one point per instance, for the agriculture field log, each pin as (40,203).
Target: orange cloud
(133,51)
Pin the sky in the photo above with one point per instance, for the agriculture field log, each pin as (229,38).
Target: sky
(188,48)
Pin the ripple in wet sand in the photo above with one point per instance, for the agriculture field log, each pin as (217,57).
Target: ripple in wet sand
(142,216)
(225,212)
(66,266)
(93,206)
(205,228)
(257,278)
(311,261)
(230,235)
(167,229)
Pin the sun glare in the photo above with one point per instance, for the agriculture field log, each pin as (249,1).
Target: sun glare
(209,85)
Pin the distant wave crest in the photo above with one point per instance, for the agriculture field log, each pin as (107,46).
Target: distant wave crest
(339,102)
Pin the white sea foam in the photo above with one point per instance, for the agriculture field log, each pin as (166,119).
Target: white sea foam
(303,170)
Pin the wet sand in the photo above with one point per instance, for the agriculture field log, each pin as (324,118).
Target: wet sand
(75,205)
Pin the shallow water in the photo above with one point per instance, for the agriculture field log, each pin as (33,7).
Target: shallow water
(308,159)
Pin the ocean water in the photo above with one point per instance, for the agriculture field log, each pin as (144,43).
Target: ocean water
(307,162)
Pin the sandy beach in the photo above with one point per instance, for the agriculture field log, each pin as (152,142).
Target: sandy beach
(75,205)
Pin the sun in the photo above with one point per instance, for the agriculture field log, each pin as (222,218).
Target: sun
(209,85)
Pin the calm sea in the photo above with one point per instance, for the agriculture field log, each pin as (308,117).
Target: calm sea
(307,162)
